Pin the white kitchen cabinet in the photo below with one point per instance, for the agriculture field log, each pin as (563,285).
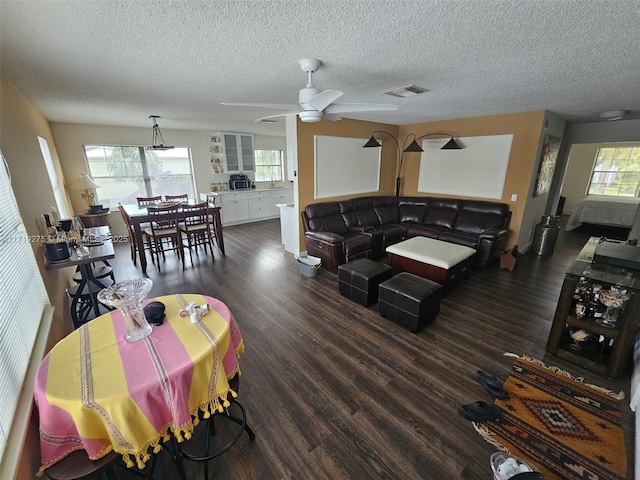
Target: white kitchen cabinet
(259,204)
(238,152)
(234,208)
(250,205)
(280,196)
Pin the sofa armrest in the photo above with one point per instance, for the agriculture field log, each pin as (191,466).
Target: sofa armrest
(493,234)
(364,229)
(323,236)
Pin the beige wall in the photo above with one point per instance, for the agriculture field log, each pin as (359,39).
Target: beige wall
(526,129)
(70,138)
(20,126)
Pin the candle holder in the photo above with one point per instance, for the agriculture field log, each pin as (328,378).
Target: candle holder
(128,296)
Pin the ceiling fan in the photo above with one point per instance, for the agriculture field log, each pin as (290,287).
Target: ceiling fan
(314,104)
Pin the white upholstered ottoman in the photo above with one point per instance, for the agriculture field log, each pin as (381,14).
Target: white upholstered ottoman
(442,262)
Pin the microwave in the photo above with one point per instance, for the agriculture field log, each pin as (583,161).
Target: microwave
(239,182)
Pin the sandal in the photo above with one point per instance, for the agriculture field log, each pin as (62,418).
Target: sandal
(491,384)
(479,411)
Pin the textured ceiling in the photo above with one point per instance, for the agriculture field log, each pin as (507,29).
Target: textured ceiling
(117,62)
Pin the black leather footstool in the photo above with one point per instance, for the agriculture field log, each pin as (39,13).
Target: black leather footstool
(410,300)
(359,280)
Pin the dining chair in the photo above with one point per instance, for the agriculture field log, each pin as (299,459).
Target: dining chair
(146,201)
(164,231)
(196,228)
(78,466)
(176,198)
(211,200)
(196,450)
(132,235)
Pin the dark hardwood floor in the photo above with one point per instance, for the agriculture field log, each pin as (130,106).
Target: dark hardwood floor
(334,391)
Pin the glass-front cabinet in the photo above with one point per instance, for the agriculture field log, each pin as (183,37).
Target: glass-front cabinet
(598,312)
(238,148)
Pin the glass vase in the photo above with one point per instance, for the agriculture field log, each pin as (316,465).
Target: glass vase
(128,297)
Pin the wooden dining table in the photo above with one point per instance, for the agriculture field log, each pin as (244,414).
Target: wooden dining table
(99,249)
(140,215)
(98,392)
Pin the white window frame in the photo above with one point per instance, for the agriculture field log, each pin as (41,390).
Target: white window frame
(56,184)
(276,168)
(25,319)
(145,176)
(604,177)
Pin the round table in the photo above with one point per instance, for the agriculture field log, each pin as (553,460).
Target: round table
(96,391)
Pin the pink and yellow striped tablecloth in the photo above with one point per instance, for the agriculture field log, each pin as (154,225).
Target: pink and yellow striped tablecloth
(96,391)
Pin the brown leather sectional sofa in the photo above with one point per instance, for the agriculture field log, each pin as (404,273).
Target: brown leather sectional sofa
(339,232)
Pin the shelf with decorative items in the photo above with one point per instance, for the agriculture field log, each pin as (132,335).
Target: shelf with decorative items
(598,312)
(216,153)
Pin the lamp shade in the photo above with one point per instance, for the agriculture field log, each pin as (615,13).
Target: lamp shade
(414,147)
(451,145)
(83,182)
(372,143)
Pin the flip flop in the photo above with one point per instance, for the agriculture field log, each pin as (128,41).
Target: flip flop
(479,411)
(491,384)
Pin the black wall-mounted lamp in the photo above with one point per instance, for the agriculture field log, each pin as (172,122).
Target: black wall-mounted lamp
(412,147)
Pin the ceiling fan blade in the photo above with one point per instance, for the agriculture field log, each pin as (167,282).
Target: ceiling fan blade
(359,107)
(331,116)
(323,99)
(275,106)
(258,120)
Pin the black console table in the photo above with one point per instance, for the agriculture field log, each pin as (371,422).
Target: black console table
(610,363)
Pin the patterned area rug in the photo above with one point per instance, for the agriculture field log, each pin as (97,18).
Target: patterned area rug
(560,426)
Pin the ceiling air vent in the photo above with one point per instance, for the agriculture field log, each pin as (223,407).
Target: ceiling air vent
(408,91)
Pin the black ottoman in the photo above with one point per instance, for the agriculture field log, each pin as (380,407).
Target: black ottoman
(410,300)
(359,280)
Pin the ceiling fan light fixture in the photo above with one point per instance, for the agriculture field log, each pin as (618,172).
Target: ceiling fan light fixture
(611,115)
(158,141)
(408,91)
(310,116)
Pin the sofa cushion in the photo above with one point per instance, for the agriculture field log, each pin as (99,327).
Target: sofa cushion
(391,232)
(387,214)
(442,212)
(326,217)
(465,239)
(356,243)
(478,217)
(413,209)
(416,229)
(348,214)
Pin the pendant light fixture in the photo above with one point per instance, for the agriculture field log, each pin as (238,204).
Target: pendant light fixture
(158,141)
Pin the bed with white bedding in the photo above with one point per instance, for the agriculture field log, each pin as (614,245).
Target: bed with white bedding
(604,210)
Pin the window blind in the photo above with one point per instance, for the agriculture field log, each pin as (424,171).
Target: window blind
(24,299)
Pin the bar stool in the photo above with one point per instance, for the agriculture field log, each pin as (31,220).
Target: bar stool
(195,451)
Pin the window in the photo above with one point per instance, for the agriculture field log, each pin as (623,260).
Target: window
(24,306)
(269,164)
(126,172)
(56,185)
(616,172)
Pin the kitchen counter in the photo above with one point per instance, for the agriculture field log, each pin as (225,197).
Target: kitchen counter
(250,204)
(241,190)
